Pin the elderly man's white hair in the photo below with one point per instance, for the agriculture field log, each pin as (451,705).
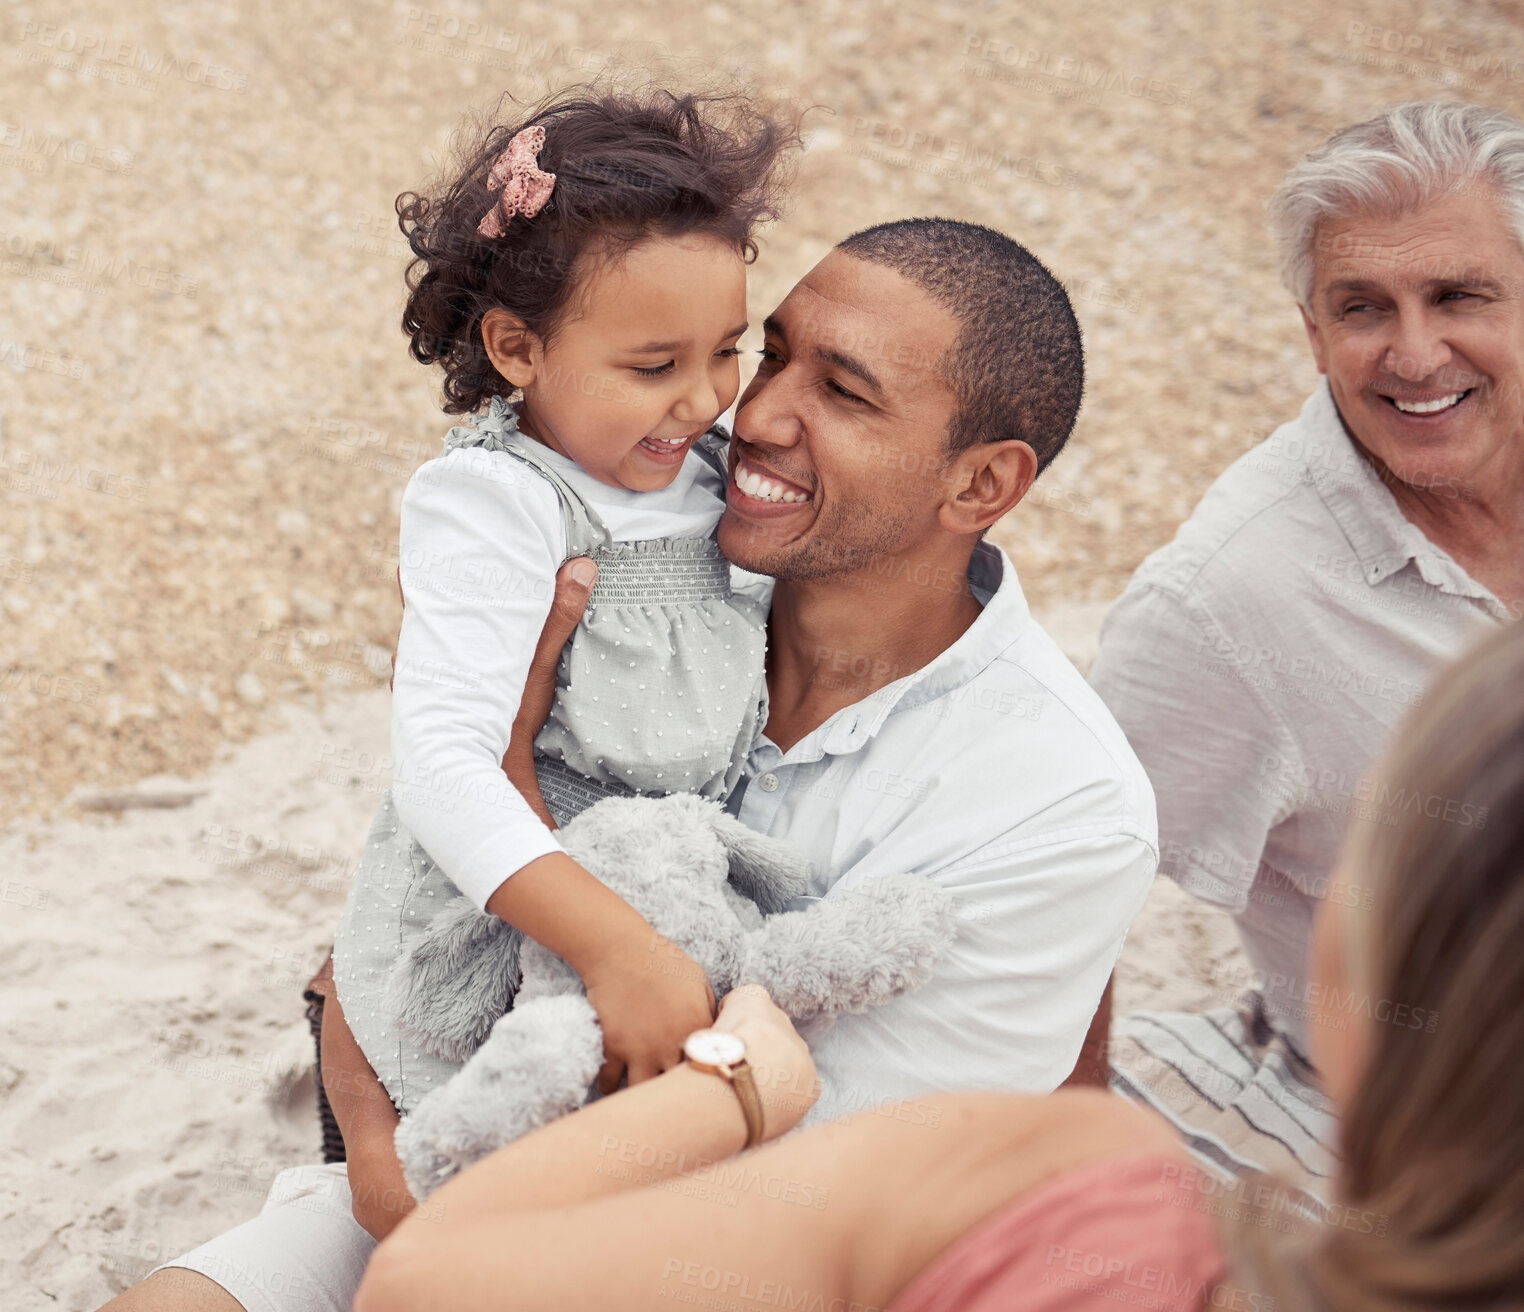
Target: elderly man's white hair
(1395,163)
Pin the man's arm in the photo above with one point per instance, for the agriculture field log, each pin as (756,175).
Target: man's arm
(1093,1069)
(1041,926)
(1127,870)
(1223,763)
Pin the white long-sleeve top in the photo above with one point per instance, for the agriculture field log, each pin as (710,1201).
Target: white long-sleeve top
(482,537)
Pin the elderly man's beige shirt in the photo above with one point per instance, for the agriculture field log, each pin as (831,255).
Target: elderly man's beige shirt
(1258,664)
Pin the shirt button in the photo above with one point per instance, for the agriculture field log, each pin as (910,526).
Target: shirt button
(768,783)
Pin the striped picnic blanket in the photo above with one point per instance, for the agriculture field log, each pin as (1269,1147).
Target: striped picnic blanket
(1240,1094)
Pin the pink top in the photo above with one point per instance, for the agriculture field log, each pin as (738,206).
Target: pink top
(1120,1231)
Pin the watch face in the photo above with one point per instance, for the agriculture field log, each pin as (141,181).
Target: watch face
(715,1047)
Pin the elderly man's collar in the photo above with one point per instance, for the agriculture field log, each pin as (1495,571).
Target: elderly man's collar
(1381,536)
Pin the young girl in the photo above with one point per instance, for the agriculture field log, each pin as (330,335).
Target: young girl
(590,259)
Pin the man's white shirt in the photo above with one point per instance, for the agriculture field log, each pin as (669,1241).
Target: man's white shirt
(996,771)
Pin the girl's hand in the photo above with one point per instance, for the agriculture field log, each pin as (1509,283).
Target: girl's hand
(780,1060)
(650,995)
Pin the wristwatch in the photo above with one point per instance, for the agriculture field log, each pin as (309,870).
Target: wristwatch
(719,1052)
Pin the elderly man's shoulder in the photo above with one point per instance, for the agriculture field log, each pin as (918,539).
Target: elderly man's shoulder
(1252,528)
(1074,715)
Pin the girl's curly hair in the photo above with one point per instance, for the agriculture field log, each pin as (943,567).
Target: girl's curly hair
(628,165)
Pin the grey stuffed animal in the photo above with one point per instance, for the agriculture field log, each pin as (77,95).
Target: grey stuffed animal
(709,884)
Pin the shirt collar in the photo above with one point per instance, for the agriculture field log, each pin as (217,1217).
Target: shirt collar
(1001,623)
(1361,505)
(1381,536)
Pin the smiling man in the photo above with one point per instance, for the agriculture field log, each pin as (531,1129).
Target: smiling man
(1259,661)
(912,387)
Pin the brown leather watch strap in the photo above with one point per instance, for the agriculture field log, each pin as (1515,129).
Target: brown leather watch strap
(751,1101)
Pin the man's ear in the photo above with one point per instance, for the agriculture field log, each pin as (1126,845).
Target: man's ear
(515,352)
(1315,338)
(984,482)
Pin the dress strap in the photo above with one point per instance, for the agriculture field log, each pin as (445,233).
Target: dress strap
(713,448)
(497,429)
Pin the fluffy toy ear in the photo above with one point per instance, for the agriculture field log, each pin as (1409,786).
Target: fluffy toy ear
(766,870)
(460,976)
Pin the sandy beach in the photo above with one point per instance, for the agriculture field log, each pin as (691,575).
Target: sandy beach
(155,1073)
(207,418)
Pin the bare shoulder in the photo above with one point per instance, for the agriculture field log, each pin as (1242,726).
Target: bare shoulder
(1051,1131)
(1100,1117)
(922,1185)
(1104,1124)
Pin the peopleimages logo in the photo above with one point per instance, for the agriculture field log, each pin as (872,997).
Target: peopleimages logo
(1385,801)
(954,157)
(1260,665)
(93,267)
(1436,50)
(1083,73)
(1116,1279)
(94,54)
(72,150)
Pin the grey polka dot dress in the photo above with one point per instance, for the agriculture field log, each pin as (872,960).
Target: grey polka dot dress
(660,690)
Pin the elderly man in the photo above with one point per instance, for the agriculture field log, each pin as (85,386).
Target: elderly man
(1259,662)
(912,386)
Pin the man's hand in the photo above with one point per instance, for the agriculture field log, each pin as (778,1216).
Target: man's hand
(1093,1069)
(650,995)
(574,584)
(368,1122)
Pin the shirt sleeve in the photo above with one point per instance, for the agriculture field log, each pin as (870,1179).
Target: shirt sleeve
(1041,923)
(481,540)
(1223,764)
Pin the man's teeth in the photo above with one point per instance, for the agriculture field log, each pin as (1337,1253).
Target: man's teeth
(754,485)
(1427,407)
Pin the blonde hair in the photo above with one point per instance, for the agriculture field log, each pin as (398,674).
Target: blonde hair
(1433,1139)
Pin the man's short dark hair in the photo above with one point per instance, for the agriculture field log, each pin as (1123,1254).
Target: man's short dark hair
(1018,366)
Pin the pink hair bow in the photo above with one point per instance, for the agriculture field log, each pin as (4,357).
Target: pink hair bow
(525,188)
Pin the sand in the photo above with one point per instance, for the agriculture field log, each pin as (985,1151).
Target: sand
(207,416)
(155,1072)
